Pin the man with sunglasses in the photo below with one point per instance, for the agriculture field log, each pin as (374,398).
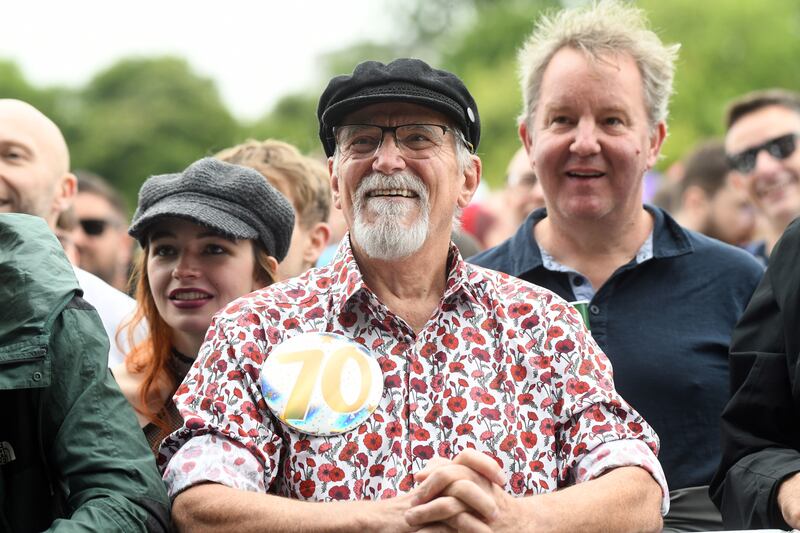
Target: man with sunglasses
(101,235)
(761,143)
(35,179)
(493,395)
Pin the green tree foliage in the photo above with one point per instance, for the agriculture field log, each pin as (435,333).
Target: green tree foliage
(728,48)
(147,116)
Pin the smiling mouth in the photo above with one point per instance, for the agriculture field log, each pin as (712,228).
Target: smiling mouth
(585,174)
(775,187)
(189,295)
(400,193)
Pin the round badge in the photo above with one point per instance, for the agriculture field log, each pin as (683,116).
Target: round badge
(321,383)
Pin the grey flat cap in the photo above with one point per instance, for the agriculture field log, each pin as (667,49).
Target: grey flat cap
(234,200)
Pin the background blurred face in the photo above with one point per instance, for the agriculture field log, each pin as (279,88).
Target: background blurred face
(774,184)
(194,272)
(523,190)
(107,253)
(33,162)
(589,141)
(731,216)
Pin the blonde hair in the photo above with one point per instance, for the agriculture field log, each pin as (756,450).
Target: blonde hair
(302,179)
(600,28)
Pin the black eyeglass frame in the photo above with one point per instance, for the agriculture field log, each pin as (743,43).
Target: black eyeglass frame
(393,130)
(779,147)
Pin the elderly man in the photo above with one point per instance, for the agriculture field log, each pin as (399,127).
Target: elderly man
(492,393)
(662,300)
(35,179)
(761,142)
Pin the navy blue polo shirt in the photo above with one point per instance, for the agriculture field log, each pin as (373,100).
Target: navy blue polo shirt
(665,322)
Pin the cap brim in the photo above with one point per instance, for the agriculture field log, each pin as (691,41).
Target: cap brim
(190,209)
(335,113)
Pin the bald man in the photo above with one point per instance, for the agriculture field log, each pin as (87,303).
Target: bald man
(35,179)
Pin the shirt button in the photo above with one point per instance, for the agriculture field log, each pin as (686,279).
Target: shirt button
(37,376)
(578,280)
(594,310)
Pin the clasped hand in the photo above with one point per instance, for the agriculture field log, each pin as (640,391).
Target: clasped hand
(463,494)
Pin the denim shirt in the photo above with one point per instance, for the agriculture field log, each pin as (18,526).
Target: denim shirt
(665,324)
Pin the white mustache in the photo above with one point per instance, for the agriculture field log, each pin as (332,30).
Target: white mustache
(377,181)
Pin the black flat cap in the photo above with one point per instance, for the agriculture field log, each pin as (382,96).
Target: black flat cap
(402,80)
(233,200)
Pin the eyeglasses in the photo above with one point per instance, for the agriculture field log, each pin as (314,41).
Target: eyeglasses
(415,141)
(779,148)
(94,226)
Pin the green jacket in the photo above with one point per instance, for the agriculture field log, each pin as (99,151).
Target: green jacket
(72,457)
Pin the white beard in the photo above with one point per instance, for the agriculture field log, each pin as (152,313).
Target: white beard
(386,237)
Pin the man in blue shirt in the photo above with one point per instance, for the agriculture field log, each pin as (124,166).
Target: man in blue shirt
(662,300)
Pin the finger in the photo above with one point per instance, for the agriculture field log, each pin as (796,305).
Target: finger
(430,466)
(474,497)
(483,464)
(436,528)
(438,510)
(468,523)
(440,478)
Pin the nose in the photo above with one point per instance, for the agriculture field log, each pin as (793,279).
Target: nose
(185,268)
(585,142)
(766,164)
(388,158)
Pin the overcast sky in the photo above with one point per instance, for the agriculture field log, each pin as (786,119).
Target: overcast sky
(255,50)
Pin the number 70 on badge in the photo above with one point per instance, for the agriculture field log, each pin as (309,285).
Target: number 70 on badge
(321,383)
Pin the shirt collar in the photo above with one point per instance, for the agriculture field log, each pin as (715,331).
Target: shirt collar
(347,279)
(669,240)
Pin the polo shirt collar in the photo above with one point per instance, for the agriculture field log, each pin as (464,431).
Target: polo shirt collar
(669,240)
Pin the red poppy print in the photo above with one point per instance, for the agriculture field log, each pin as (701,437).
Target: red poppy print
(500,368)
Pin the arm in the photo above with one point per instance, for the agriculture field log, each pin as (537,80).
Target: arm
(623,499)
(210,507)
(93,444)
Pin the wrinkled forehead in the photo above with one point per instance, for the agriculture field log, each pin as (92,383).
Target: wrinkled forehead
(393,113)
(760,126)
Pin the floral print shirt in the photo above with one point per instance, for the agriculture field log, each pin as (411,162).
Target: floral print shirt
(501,366)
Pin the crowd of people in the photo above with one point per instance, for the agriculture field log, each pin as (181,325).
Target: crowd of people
(383,345)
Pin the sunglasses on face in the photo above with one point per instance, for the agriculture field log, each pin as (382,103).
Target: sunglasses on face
(779,148)
(94,226)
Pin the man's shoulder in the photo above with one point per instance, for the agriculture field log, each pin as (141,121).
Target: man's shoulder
(517,254)
(284,297)
(505,287)
(496,258)
(719,256)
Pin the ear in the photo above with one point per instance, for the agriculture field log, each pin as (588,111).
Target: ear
(526,138)
(66,189)
(472,178)
(334,185)
(656,140)
(318,237)
(258,280)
